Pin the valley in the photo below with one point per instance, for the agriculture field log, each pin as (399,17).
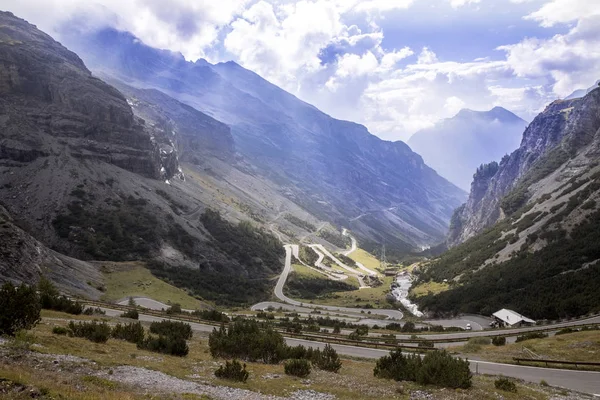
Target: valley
(161,218)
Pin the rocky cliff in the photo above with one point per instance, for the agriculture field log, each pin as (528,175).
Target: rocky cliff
(554,137)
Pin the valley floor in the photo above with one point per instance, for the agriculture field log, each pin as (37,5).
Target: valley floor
(48,366)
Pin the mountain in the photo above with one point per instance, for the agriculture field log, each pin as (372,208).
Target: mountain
(335,170)
(456,146)
(83,177)
(528,237)
(582,92)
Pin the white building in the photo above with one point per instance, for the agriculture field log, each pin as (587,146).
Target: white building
(509,318)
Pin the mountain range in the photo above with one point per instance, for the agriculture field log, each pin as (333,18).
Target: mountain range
(336,170)
(456,146)
(198,169)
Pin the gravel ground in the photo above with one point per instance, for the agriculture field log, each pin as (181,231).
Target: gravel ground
(153,381)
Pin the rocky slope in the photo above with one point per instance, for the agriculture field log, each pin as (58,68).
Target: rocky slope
(554,137)
(84,175)
(456,146)
(528,238)
(333,169)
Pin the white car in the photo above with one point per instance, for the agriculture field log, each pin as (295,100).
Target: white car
(468,327)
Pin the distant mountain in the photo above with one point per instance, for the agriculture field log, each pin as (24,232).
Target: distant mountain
(456,146)
(528,237)
(336,170)
(582,92)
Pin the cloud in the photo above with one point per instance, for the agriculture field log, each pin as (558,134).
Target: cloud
(460,3)
(564,11)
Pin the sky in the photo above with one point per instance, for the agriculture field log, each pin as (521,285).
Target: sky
(396,66)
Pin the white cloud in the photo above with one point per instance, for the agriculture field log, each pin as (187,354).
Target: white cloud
(427,57)
(460,3)
(564,11)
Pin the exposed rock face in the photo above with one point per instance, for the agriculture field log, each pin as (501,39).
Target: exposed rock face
(564,130)
(334,169)
(50,103)
(24,259)
(455,147)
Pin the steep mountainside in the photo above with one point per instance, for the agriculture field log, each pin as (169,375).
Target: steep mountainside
(81,174)
(334,169)
(455,147)
(528,238)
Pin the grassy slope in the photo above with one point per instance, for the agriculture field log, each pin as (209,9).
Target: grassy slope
(355,380)
(358,298)
(366,259)
(132,279)
(429,287)
(579,346)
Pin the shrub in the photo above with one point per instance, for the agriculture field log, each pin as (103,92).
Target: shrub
(233,371)
(213,315)
(172,328)
(505,384)
(19,308)
(94,311)
(50,299)
(94,331)
(60,330)
(244,339)
(499,341)
(564,331)
(436,368)
(531,335)
(133,314)
(441,369)
(327,359)
(174,309)
(397,366)
(165,344)
(426,344)
(132,332)
(297,367)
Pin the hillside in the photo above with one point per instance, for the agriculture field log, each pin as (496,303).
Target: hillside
(456,146)
(83,174)
(528,237)
(335,170)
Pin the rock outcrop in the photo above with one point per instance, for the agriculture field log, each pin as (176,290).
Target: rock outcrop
(552,142)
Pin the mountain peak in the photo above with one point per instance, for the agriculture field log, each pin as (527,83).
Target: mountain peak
(499,113)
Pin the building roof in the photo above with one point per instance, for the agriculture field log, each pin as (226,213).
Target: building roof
(511,317)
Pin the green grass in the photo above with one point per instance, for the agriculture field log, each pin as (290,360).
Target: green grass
(365,258)
(132,279)
(358,298)
(430,287)
(304,272)
(578,346)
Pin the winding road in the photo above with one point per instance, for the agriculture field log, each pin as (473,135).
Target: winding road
(289,250)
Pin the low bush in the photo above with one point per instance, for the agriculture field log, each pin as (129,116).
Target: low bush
(133,314)
(233,371)
(94,331)
(172,329)
(426,344)
(436,368)
(60,330)
(505,384)
(248,341)
(327,359)
(499,341)
(174,309)
(132,332)
(531,335)
(19,308)
(564,331)
(175,346)
(94,311)
(297,367)
(211,315)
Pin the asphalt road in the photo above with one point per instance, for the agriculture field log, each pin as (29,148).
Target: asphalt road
(582,381)
(390,314)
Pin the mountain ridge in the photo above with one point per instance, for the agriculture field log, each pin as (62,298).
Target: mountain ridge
(334,169)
